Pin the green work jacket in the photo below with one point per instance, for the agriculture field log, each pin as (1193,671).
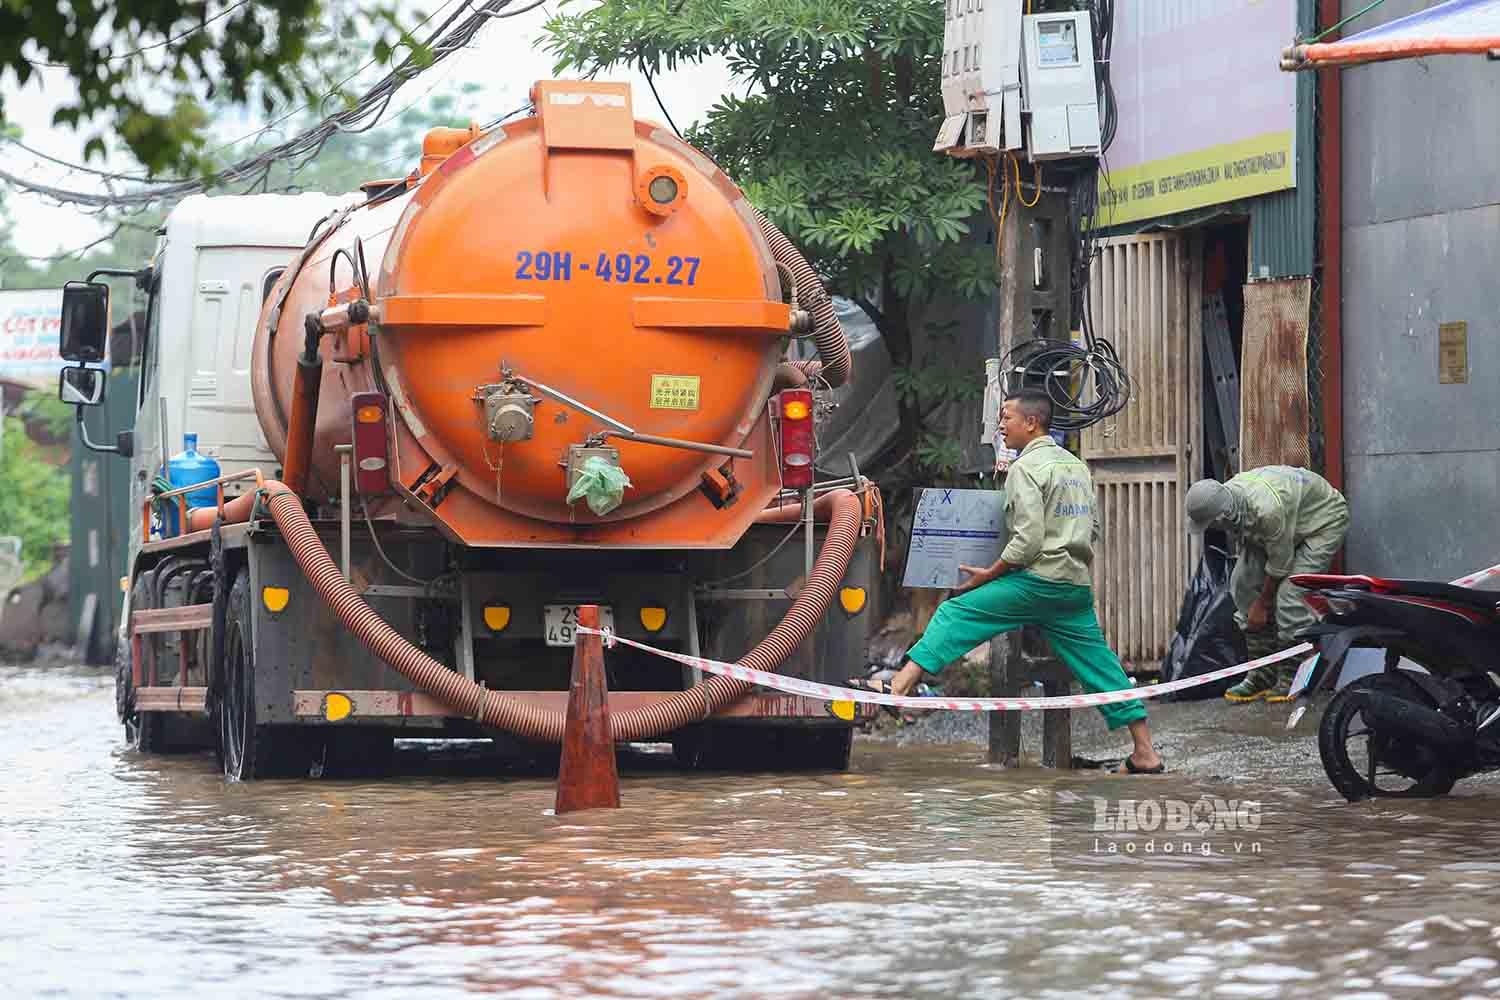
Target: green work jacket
(1049,511)
(1283,506)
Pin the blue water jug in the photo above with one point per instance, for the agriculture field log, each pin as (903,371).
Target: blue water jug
(188,468)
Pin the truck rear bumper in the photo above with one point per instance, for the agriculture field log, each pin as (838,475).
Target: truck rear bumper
(366,706)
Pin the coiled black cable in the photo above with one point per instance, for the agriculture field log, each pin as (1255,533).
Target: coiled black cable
(1085,382)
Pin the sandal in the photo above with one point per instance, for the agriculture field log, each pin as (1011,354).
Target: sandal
(879,686)
(1131,767)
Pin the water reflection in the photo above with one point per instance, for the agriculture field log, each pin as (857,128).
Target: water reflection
(920,873)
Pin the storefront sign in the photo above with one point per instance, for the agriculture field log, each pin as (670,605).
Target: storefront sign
(29,326)
(1204,116)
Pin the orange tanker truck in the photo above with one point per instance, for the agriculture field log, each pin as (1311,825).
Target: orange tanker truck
(543,370)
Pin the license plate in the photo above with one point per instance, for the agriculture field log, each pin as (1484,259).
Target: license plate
(1304,674)
(561,621)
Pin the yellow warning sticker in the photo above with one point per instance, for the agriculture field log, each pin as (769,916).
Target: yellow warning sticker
(674,392)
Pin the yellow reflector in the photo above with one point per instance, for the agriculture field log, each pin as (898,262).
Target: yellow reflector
(337,706)
(842,709)
(853,599)
(369,415)
(275,598)
(796,410)
(496,618)
(652,619)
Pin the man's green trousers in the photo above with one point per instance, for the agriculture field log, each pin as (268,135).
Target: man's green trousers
(1065,614)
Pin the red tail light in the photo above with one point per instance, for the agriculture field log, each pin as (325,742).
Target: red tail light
(371,472)
(794,409)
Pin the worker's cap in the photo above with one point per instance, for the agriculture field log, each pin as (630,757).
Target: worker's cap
(1207,501)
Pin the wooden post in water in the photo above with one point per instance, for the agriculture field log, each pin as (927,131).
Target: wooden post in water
(587,777)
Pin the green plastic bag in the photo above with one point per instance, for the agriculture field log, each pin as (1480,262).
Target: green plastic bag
(601,484)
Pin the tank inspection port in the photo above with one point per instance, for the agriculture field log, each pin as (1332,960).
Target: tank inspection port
(661,190)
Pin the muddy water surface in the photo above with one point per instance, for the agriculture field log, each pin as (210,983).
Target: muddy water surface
(921,873)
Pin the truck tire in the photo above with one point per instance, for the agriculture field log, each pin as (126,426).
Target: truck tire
(248,750)
(144,733)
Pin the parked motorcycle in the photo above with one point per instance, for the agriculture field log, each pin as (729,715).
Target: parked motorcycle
(1424,722)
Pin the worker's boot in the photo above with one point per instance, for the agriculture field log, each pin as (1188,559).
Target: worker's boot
(1261,682)
(1286,670)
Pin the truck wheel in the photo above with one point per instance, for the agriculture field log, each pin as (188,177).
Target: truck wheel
(143,732)
(249,751)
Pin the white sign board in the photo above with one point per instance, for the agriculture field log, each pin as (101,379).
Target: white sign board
(29,325)
(953,527)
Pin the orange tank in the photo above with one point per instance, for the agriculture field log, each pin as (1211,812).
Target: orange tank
(540,287)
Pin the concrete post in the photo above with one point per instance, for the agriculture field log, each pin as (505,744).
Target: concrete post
(1034,301)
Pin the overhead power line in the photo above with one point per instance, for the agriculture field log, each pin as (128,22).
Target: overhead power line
(456,31)
(155,45)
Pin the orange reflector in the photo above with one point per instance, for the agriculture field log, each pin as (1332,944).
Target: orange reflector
(841,710)
(796,409)
(852,599)
(275,598)
(496,617)
(337,707)
(652,619)
(369,414)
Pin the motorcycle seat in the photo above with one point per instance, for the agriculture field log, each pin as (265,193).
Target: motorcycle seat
(1468,596)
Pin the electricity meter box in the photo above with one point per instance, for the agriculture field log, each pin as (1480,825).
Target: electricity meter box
(1062,96)
(981,82)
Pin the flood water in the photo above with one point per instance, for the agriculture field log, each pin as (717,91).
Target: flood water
(921,873)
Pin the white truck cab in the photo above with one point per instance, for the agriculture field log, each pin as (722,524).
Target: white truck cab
(216,262)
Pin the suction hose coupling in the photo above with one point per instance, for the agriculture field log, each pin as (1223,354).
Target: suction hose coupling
(494,708)
(809,294)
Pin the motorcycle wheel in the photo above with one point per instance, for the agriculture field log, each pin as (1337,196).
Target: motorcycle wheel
(1353,754)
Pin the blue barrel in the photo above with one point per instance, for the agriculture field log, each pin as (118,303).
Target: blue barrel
(188,468)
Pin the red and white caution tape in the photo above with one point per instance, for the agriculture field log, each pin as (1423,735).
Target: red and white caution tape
(1477,578)
(834,692)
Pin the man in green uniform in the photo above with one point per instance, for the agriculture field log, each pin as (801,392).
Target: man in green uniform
(1041,578)
(1284,521)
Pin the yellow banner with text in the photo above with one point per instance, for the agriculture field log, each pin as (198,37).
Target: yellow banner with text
(1204,177)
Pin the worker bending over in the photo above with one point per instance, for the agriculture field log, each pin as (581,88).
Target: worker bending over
(1041,578)
(1284,521)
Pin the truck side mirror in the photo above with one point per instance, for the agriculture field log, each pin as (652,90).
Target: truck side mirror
(85,322)
(81,386)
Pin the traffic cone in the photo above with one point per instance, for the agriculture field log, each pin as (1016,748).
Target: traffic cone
(587,778)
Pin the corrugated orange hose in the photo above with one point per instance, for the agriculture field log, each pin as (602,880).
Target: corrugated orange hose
(494,708)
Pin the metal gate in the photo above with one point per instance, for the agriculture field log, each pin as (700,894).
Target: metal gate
(1145,296)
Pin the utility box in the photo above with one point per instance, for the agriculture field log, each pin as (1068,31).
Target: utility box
(981,81)
(1058,82)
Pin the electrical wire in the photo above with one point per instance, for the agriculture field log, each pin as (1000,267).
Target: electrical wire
(744,573)
(997,217)
(154,45)
(1036,181)
(364,114)
(107,175)
(652,84)
(1357,14)
(1086,383)
(380,550)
